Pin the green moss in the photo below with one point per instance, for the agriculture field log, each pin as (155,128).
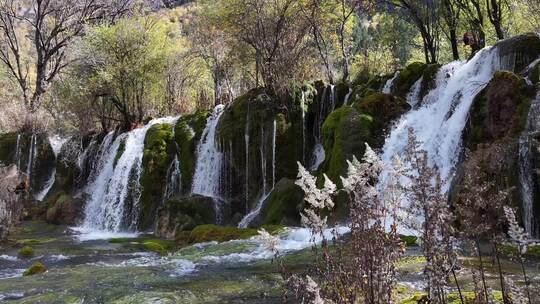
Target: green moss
(348,129)
(26,252)
(409,240)
(155,247)
(8,142)
(283,205)
(36,268)
(407,77)
(500,110)
(159,150)
(188,131)
(181,214)
(207,233)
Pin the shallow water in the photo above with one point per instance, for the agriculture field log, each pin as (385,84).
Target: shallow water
(85,269)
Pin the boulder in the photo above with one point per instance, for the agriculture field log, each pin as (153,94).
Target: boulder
(183,214)
(282,206)
(64,210)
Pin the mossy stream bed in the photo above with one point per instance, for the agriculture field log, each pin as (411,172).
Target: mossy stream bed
(127,270)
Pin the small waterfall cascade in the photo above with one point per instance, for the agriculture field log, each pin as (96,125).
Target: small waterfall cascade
(56,143)
(18,151)
(32,152)
(389,85)
(255,212)
(413,98)
(303,109)
(114,187)
(246,142)
(526,164)
(439,122)
(207,177)
(174,179)
(318,153)
(347,97)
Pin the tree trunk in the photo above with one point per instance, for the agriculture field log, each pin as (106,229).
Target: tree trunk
(454,43)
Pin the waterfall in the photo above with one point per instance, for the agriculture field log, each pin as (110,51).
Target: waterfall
(332,98)
(248,218)
(318,153)
(526,166)
(389,85)
(32,152)
(18,152)
(439,122)
(303,109)
(413,98)
(274,131)
(56,143)
(262,150)
(174,179)
(246,140)
(112,186)
(347,97)
(207,177)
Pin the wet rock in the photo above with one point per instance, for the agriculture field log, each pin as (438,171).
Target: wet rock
(36,268)
(184,214)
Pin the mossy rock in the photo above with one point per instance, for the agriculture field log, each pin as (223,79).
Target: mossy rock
(207,233)
(64,209)
(159,150)
(518,52)
(184,214)
(187,132)
(8,142)
(348,129)
(252,116)
(429,79)
(407,77)
(26,252)
(282,206)
(500,110)
(36,268)
(409,240)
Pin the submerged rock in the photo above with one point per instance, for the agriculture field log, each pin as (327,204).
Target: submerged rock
(184,214)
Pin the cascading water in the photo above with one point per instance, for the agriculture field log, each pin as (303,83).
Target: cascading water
(389,85)
(439,122)
(318,153)
(347,97)
(207,177)
(115,184)
(246,142)
(255,212)
(32,152)
(303,109)
(18,152)
(56,143)
(174,179)
(526,170)
(413,98)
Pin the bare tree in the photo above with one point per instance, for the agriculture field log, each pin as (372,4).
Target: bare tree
(424,15)
(49,26)
(451,15)
(495,11)
(474,12)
